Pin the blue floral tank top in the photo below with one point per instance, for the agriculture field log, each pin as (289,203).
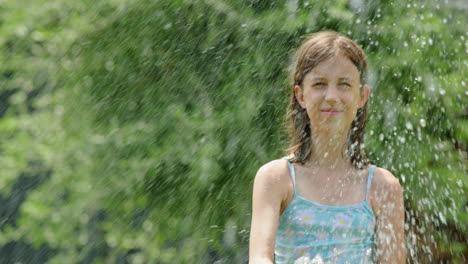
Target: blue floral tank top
(313,233)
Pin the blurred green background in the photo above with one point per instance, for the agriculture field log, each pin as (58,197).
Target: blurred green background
(131,131)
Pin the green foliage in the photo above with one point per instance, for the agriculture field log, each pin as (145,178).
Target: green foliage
(153,117)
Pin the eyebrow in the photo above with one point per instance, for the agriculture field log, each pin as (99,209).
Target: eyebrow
(341,79)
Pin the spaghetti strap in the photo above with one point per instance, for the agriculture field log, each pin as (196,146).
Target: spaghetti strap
(292,173)
(369,180)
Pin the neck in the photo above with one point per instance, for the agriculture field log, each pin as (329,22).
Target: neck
(328,151)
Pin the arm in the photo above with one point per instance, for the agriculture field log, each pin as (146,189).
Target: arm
(390,214)
(268,193)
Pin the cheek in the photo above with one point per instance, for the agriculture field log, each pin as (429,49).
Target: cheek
(352,105)
(311,99)
(353,100)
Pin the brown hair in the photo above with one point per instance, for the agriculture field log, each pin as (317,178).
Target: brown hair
(316,48)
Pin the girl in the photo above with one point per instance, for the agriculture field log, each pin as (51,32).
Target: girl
(325,203)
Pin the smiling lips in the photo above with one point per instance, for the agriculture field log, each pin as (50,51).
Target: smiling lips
(330,111)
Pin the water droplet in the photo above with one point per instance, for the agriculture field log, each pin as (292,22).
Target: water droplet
(109,65)
(409,126)
(442,218)
(21,31)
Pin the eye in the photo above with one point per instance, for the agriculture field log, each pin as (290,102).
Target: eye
(319,84)
(345,84)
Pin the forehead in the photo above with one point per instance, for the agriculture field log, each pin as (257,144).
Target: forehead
(336,67)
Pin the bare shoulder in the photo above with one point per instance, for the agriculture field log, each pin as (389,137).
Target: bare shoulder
(386,190)
(383,179)
(273,172)
(274,177)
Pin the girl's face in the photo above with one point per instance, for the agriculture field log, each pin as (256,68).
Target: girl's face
(331,94)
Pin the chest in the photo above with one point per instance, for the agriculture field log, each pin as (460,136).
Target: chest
(331,189)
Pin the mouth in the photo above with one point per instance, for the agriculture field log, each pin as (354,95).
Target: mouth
(331,112)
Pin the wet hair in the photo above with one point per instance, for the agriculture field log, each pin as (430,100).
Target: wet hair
(316,48)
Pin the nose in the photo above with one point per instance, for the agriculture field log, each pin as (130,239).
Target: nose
(331,94)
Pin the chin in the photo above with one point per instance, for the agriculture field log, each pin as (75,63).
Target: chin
(332,129)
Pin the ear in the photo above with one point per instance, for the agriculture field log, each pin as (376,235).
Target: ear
(365,92)
(299,95)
